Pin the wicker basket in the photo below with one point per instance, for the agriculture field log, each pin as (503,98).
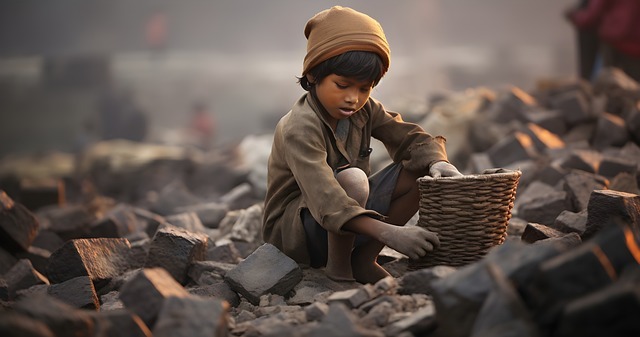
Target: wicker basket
(469,213)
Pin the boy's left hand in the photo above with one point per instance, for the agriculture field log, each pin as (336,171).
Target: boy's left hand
(443,169)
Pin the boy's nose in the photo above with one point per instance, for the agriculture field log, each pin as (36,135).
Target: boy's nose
(351,98)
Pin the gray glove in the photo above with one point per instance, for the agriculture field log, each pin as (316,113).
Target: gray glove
(443,169)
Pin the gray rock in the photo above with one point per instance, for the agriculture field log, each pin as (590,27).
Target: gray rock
(239,197)
(459,296)
(18,226)
(192,317)
(550,174)
(101,259)
(574,106)
(583,270)
(12,324)
(579,186)
(611,166)
(316,287)
(267,270)
(208,272)
(4,290)
(220,290)
(36,290)
(341,322)
(606,204)
(566,240)
(145,293)
(245,316)
(535,190)
(111,301)
(61,318)
(188,220)
(633,123)
(119,222)
(570,222)
(544,210)
(421,322)
(503,313)
(149,220)
(248,226)
(225,252)
(543,139)
(271,300)
(352,298)
(478,162)
(607,311)
(175,249)
(39,258)
(515,228)
(77,292)
(7,260)
(514,148)
(22,276)
(68,222)
(585,160)
(536,232)
(551,120)
(172,197)
(378,315)
(121,323)
(210,214)
(419,281)
(316,311)
(611,130)
(581,133)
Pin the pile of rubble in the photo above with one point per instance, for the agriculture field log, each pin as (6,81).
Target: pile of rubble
(172,247)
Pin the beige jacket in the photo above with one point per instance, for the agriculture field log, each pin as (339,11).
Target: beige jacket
(305,154)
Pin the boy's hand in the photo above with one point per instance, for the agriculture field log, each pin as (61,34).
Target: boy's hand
(412,241)
(443,169)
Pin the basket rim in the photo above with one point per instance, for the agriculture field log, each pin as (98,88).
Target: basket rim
(486,175)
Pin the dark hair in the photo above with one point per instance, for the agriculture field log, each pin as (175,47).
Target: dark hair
(361,65)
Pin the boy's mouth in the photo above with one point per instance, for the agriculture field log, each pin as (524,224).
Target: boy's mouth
(347,112)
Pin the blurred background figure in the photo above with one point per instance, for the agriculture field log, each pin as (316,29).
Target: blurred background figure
(588,46)
(171,54)
(156,31)
(120,117)
(617,25)
(202,126)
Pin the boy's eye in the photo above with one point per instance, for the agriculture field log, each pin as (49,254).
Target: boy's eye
(341,86)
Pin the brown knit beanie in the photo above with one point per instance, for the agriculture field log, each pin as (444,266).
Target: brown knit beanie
(341,29)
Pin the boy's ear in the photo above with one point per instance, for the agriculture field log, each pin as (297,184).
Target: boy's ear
(311,79)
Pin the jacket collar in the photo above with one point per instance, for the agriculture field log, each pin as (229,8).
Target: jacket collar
(358,119)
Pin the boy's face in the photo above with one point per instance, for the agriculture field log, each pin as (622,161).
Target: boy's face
(342,96)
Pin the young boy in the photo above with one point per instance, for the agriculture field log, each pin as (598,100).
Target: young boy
(321,207)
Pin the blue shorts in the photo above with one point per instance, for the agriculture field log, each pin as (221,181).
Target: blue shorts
(381,187)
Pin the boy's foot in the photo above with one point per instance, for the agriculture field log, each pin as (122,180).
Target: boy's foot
(338,275)
(370,272)
(332,278)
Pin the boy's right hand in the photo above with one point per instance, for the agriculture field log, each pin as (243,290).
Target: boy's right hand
(412,241)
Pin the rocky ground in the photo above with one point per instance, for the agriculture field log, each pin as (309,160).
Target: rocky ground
(140,239)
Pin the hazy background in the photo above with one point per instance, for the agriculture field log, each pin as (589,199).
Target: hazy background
(241,57)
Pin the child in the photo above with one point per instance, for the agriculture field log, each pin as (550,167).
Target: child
(321,207)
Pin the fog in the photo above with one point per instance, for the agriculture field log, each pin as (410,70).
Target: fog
(242,58)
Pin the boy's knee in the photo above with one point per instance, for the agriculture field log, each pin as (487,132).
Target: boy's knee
(356,183)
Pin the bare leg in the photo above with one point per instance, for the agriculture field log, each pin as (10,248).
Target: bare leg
(405,199)
(404,204)
(354,181)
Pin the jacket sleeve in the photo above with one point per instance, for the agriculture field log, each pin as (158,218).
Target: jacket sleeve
(407,143)
(306,156)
